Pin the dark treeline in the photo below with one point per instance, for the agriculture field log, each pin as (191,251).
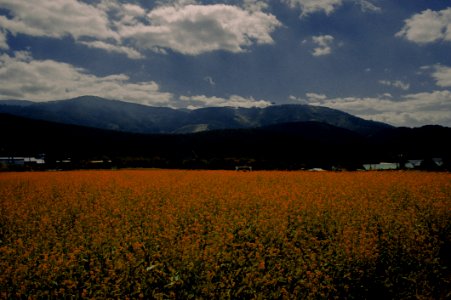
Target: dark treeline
(288,146)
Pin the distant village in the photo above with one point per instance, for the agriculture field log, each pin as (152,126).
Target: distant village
(39,163)
(6,161)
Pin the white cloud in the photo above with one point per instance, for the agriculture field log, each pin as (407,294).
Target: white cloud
(367,6)
(130,52)
(56,18)
(122,14)
(196,29)
(133,10)
(3,40)
(324,43)
(397,84)
(442,75)
(315,96)
(312,6)
(297,100)
(182,26)
(255,5)
(233,101)
(427,26)
(23,77)
(411,110)
(328,6)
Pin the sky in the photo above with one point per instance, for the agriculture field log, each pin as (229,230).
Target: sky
(383,60)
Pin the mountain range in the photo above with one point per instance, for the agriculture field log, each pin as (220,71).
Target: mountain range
(129,117)
(276,137)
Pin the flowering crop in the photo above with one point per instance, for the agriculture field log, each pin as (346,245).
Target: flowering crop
(220,234)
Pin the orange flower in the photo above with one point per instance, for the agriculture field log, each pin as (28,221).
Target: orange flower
(220,234)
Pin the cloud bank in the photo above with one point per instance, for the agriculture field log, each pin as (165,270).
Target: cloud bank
(129,29)
(23,77)
(196,29)
(411,109)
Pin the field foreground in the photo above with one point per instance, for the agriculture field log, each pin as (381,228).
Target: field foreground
(220,234)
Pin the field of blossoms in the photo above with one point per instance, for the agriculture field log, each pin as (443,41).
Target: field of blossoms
(169,234)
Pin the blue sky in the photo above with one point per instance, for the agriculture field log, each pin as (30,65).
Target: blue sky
(384,60)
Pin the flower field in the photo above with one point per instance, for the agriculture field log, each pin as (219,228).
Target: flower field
(159,234)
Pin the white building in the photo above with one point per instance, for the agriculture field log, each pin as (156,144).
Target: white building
(381,166)
(20,161)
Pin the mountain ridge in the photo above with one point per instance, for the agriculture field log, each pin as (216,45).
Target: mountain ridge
(118,115)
